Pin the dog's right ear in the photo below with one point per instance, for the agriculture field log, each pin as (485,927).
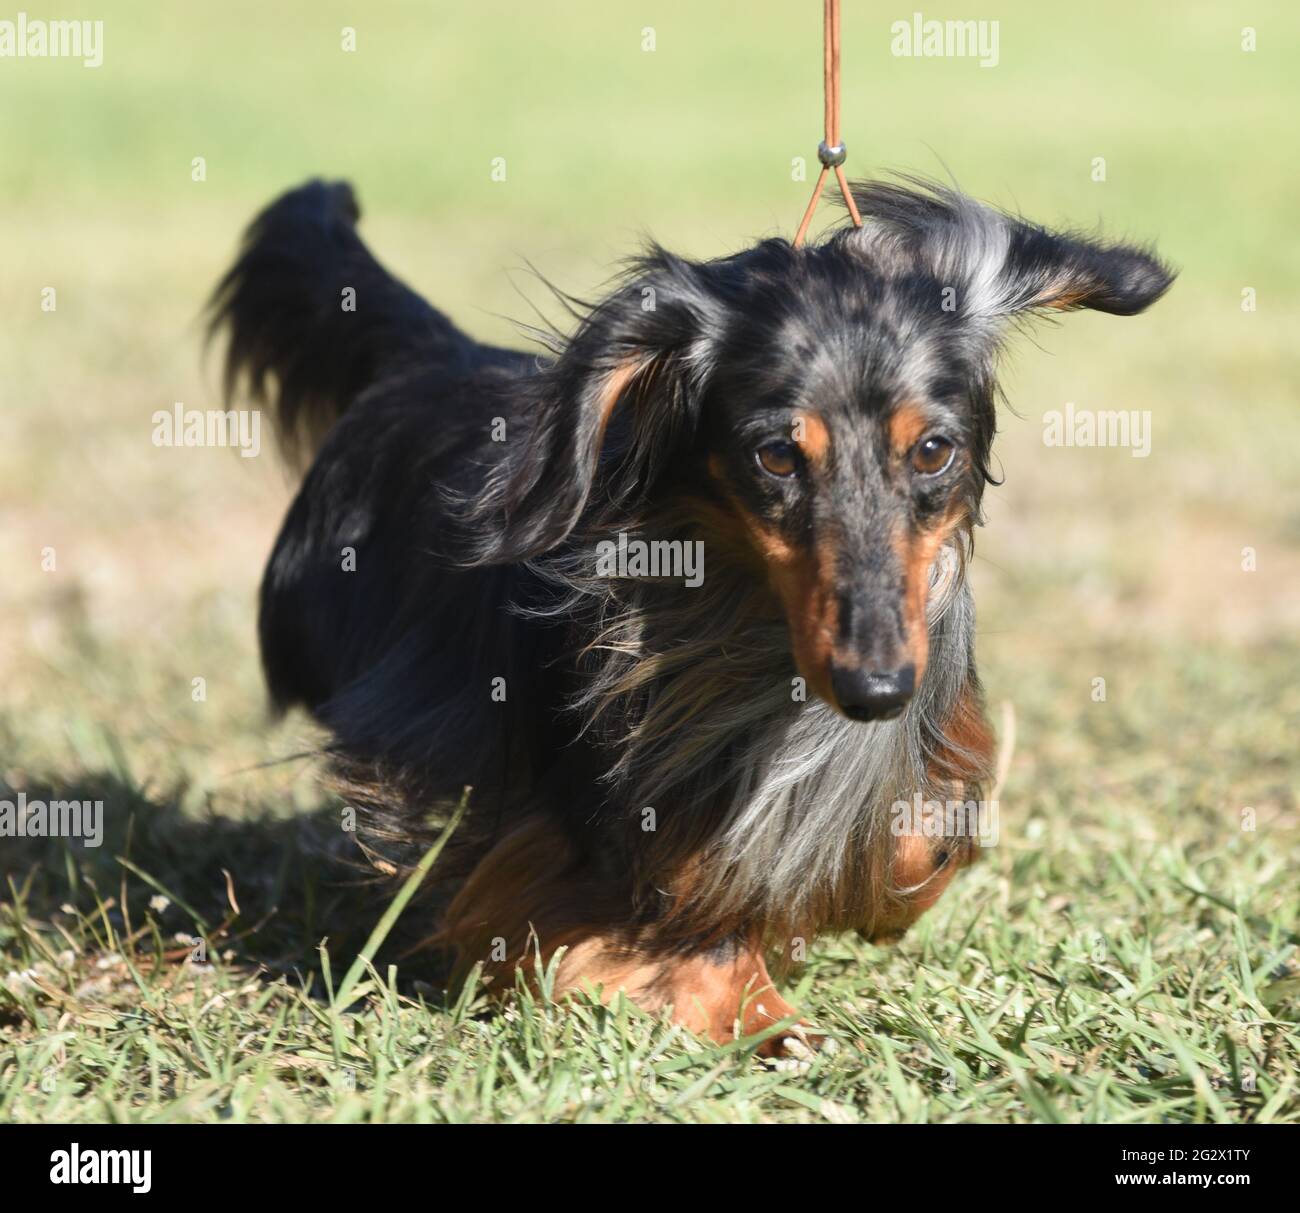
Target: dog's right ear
(641,355)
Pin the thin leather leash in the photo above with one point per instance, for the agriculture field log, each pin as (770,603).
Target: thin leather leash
(831,152)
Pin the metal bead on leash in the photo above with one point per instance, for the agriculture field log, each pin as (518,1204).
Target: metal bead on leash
(831,157)
(831,151)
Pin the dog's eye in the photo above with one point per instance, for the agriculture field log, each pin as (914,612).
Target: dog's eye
(779,458)
(932,455)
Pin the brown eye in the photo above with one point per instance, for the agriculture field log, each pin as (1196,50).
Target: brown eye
(779,458)
(932,455)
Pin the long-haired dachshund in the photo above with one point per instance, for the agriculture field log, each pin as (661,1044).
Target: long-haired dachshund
(683,601)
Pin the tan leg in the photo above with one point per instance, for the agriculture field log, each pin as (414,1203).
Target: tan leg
(720,994)
(529,896)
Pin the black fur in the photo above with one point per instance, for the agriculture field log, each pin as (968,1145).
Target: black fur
(456,534)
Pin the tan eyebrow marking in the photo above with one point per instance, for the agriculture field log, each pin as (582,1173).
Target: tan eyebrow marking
(811,435)
(906,425)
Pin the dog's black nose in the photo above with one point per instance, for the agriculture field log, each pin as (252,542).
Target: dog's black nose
(871,695)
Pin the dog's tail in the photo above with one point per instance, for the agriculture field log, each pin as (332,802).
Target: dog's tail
(314,319)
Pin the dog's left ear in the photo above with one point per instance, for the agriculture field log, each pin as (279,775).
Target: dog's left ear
(607,415)
(999,264)
(1046,269)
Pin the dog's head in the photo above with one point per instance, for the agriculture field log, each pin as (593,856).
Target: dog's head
(837,399)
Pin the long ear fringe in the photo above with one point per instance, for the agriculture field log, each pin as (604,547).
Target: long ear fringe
(645,349)
(1006,264)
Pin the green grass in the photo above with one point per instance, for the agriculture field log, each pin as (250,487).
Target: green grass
(1128,951)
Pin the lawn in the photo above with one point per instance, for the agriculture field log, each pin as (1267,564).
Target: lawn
(1128,952)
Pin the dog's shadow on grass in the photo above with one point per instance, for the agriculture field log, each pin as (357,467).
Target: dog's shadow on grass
(264,891)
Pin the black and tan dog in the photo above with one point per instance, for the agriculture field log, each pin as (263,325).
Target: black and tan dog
(675,782)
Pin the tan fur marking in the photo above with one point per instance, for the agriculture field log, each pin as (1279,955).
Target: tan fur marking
(923,867)
(529,882)
(915,867)
(907,425)
(917,555)
(805,584)
(814,438)
(1061,297)
(530,896)
(966,755)
(611,392)
(717,998)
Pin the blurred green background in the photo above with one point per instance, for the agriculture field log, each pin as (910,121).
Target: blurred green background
(1094,563)
(605,142)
